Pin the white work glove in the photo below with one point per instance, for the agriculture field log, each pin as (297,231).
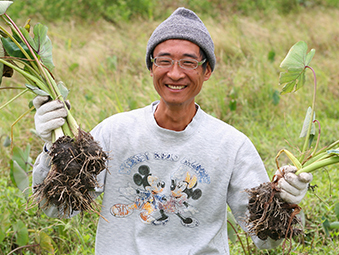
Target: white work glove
(49,115)
(293,187)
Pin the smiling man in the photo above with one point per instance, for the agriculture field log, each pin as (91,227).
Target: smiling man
(178,76)
(173,168)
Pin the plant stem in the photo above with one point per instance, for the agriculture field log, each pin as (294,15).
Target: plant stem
(10,101)
(70,128)
(38,82)
(42,70)
(319,164)
(17,44)
(57,133)
(305,147)
(16,121)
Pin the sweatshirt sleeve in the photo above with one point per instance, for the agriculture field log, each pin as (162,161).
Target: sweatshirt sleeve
(249,171)
(41,168)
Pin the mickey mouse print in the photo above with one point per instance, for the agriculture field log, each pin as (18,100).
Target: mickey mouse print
(156,198)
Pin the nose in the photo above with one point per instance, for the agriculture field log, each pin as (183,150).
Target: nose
(176,72)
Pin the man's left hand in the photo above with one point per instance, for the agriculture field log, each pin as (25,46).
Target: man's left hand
(293,187)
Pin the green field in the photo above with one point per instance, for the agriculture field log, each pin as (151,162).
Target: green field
(101,59)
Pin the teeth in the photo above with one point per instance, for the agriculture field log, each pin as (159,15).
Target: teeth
(175,87)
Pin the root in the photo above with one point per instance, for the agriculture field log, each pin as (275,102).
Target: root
(72,180)
(270,216)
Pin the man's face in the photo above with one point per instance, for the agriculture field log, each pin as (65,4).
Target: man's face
(175,85)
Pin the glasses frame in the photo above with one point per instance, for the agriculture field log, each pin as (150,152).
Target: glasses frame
(199,63)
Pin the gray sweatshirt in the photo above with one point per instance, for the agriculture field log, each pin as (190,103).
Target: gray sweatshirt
(167,192)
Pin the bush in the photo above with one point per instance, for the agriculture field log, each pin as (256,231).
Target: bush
(125,10)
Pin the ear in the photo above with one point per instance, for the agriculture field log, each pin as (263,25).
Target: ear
(208,72)
(151,71)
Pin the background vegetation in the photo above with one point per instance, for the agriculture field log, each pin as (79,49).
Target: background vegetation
(99,53)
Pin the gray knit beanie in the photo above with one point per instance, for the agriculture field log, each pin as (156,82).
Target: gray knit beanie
(182,24)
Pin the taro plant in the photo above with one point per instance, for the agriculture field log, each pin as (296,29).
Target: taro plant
(269,215)
(29,53)
(14,229)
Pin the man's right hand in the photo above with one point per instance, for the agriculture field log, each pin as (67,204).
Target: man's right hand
(49,116)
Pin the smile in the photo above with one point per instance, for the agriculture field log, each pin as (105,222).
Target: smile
(176,87)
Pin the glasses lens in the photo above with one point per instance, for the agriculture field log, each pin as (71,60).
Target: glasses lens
(183,63)
(188,63)
(163,61)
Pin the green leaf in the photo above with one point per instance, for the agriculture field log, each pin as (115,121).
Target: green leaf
(306,124)
(63,90)
(336,210)
(271,55)
(22,157)
(4,6)
(295,64)
(36,90)
(21,233)
(73,66)
(333,152)
(19,177)
(232,235)
(295,58)
(232,104)
(43,45)
(45,242)
(13,50)
(276,97)
(2,234)
(334,225)
(309,57)
(4,224)
(326,225)
(27,36)
(288,87)
(7,141)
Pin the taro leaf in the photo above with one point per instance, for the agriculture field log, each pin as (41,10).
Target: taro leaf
(4,6)
(232,235)
(28,38)
(295,64)
(63,90)
(307,123)
(41,44)
(13,50)
(333,152)
(45,242)
(21,233)
(22,157)
(19,177)
(36,90)
(336,210)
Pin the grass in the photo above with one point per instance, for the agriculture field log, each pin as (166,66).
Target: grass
(104,67)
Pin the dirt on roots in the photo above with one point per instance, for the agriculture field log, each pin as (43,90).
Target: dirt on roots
(270,216)
(72,179)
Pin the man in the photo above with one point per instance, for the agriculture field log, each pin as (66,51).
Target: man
(173,168)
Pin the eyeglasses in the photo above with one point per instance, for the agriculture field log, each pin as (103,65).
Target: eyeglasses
(185,63)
